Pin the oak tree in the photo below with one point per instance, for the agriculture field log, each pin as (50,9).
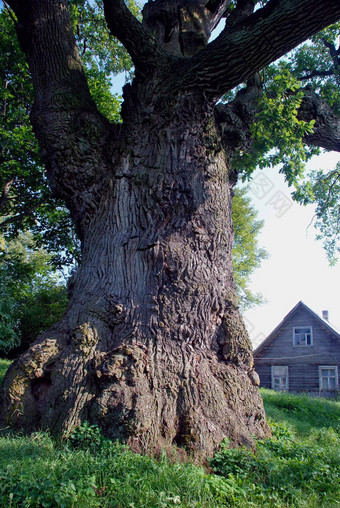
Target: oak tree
(152,346)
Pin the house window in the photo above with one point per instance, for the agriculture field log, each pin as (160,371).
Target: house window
(279,377)
(328,378)
(302,336)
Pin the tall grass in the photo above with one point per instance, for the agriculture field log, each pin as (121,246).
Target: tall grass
(298,467)
(37,471)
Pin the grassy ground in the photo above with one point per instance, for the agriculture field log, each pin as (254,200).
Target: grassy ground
(298,467)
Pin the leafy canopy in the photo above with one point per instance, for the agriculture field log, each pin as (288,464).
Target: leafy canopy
(280,136)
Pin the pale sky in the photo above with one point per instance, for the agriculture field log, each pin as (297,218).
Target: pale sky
(297,268)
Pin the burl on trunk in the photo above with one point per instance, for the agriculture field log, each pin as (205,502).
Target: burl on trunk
(152,347)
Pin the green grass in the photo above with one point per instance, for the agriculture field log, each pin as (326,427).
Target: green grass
(298,467)
(303,413)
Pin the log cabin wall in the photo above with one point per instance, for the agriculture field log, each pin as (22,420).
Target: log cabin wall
(306,364)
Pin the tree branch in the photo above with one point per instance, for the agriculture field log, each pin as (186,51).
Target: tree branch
(64,116)
(243,9)
(315,73)
(138,41)
(335,56)
(326,131)
(183,27)
(256,41)
(25,213)
(234,120)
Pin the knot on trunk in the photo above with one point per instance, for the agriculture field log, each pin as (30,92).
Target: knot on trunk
(85,338)
(186,436)
(41,355)
(235,345)
(109,310)
(254,377)
(124,364)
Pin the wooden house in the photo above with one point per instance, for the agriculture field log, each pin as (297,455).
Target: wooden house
(301,354)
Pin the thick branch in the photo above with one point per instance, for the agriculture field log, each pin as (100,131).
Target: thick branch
(183,27)
(316,74)
(326,131)
(255,42)
(64,116)
(137,40)
(235,118)
(46,37)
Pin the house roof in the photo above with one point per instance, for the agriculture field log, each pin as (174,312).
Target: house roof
(273,334)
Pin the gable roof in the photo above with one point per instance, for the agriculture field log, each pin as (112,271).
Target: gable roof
(300,304)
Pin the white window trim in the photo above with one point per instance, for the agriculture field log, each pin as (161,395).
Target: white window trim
(272,376)
(311,336)
(336,376)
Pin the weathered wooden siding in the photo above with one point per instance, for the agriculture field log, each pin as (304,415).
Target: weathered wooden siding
(303,361)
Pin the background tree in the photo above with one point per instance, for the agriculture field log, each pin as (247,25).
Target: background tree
(247,255)
(32,296)
(153,347)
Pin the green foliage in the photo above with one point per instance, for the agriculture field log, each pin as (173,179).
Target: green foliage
(247,255)
(37,471)
(233,461)
(98,48)
(318,66)
(323,189)
(86,436)
(31,296)
(278,133)
(302,412)
(4,364)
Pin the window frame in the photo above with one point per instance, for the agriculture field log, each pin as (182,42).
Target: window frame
(335,367)
(273,376)
(294,335)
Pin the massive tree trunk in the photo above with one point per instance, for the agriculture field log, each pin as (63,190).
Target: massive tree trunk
(152,347)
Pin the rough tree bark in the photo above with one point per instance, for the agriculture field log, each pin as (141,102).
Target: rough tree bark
(152,346)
